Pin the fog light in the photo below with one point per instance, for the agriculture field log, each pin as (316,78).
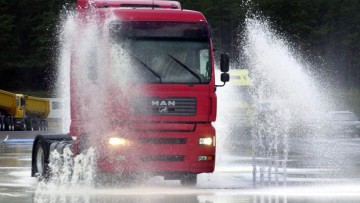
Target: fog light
(206,141)
(116,141)
(205,158)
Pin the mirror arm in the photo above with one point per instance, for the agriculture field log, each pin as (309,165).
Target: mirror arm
(221,85)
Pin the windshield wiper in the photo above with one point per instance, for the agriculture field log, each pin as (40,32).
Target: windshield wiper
(186,68)
(146,66)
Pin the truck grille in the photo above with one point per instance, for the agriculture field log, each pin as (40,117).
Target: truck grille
(162,140)
(172,106)
(164,158)
(162,127)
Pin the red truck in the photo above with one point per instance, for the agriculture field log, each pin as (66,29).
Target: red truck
(157,119)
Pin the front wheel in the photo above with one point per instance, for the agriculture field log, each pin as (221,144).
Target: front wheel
(9,123)
(189,179)
(12,121)
(40,160)
(46,125)
(30,125)
(36,124)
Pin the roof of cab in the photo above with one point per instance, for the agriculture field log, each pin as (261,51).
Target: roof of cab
(143,10)
(159,15)
(130,4)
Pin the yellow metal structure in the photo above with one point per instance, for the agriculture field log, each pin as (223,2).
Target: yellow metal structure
(37,107)
(18,111)
(240,77)
(10,104)
(241,84)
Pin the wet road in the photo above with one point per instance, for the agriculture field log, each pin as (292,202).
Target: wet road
(311,169)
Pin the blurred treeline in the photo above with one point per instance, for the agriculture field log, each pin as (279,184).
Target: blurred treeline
(325,32)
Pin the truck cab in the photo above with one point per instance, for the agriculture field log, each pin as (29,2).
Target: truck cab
(20,106)
(157,87)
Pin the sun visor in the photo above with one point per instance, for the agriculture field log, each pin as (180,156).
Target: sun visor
(160,29)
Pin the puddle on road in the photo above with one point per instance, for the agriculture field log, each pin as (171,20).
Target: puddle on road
(223,186)
(343,193)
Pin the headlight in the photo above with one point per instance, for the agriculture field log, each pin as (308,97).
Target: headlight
(116,141)
(207,141)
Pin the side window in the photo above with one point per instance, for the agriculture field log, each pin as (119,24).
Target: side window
(17,102)
(204,62)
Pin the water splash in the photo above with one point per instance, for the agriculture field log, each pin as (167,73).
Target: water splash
(81,48)
(67,174)
(98,68)
(279,74)
(284,93)
(66,32)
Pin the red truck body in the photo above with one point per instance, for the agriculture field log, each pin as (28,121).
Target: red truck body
(157,121)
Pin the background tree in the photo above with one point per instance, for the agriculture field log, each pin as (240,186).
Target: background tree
(326,32)
(27,43)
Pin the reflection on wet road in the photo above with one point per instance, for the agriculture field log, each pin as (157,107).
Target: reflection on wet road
(16,185)
(316,170)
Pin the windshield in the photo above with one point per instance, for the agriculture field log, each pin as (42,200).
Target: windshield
(164,52)
(17,102)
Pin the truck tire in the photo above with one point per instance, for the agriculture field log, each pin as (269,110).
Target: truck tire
(40,159)
(20,124)
(44,125)
(189,179)
(29,125)
(41,154)
(2,123)
(23,127)
(7,123)
(41,125)
(36,124)
(12,124)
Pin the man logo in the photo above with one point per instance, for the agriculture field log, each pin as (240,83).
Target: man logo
(163,109)
(163,103)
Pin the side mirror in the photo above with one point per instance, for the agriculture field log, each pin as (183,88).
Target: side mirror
(23,101)
(224,63)
(225,77)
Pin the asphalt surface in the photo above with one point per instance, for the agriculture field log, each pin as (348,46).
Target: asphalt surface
(312,170)
(20,136)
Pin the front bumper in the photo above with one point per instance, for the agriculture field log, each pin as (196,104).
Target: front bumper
(159,151)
